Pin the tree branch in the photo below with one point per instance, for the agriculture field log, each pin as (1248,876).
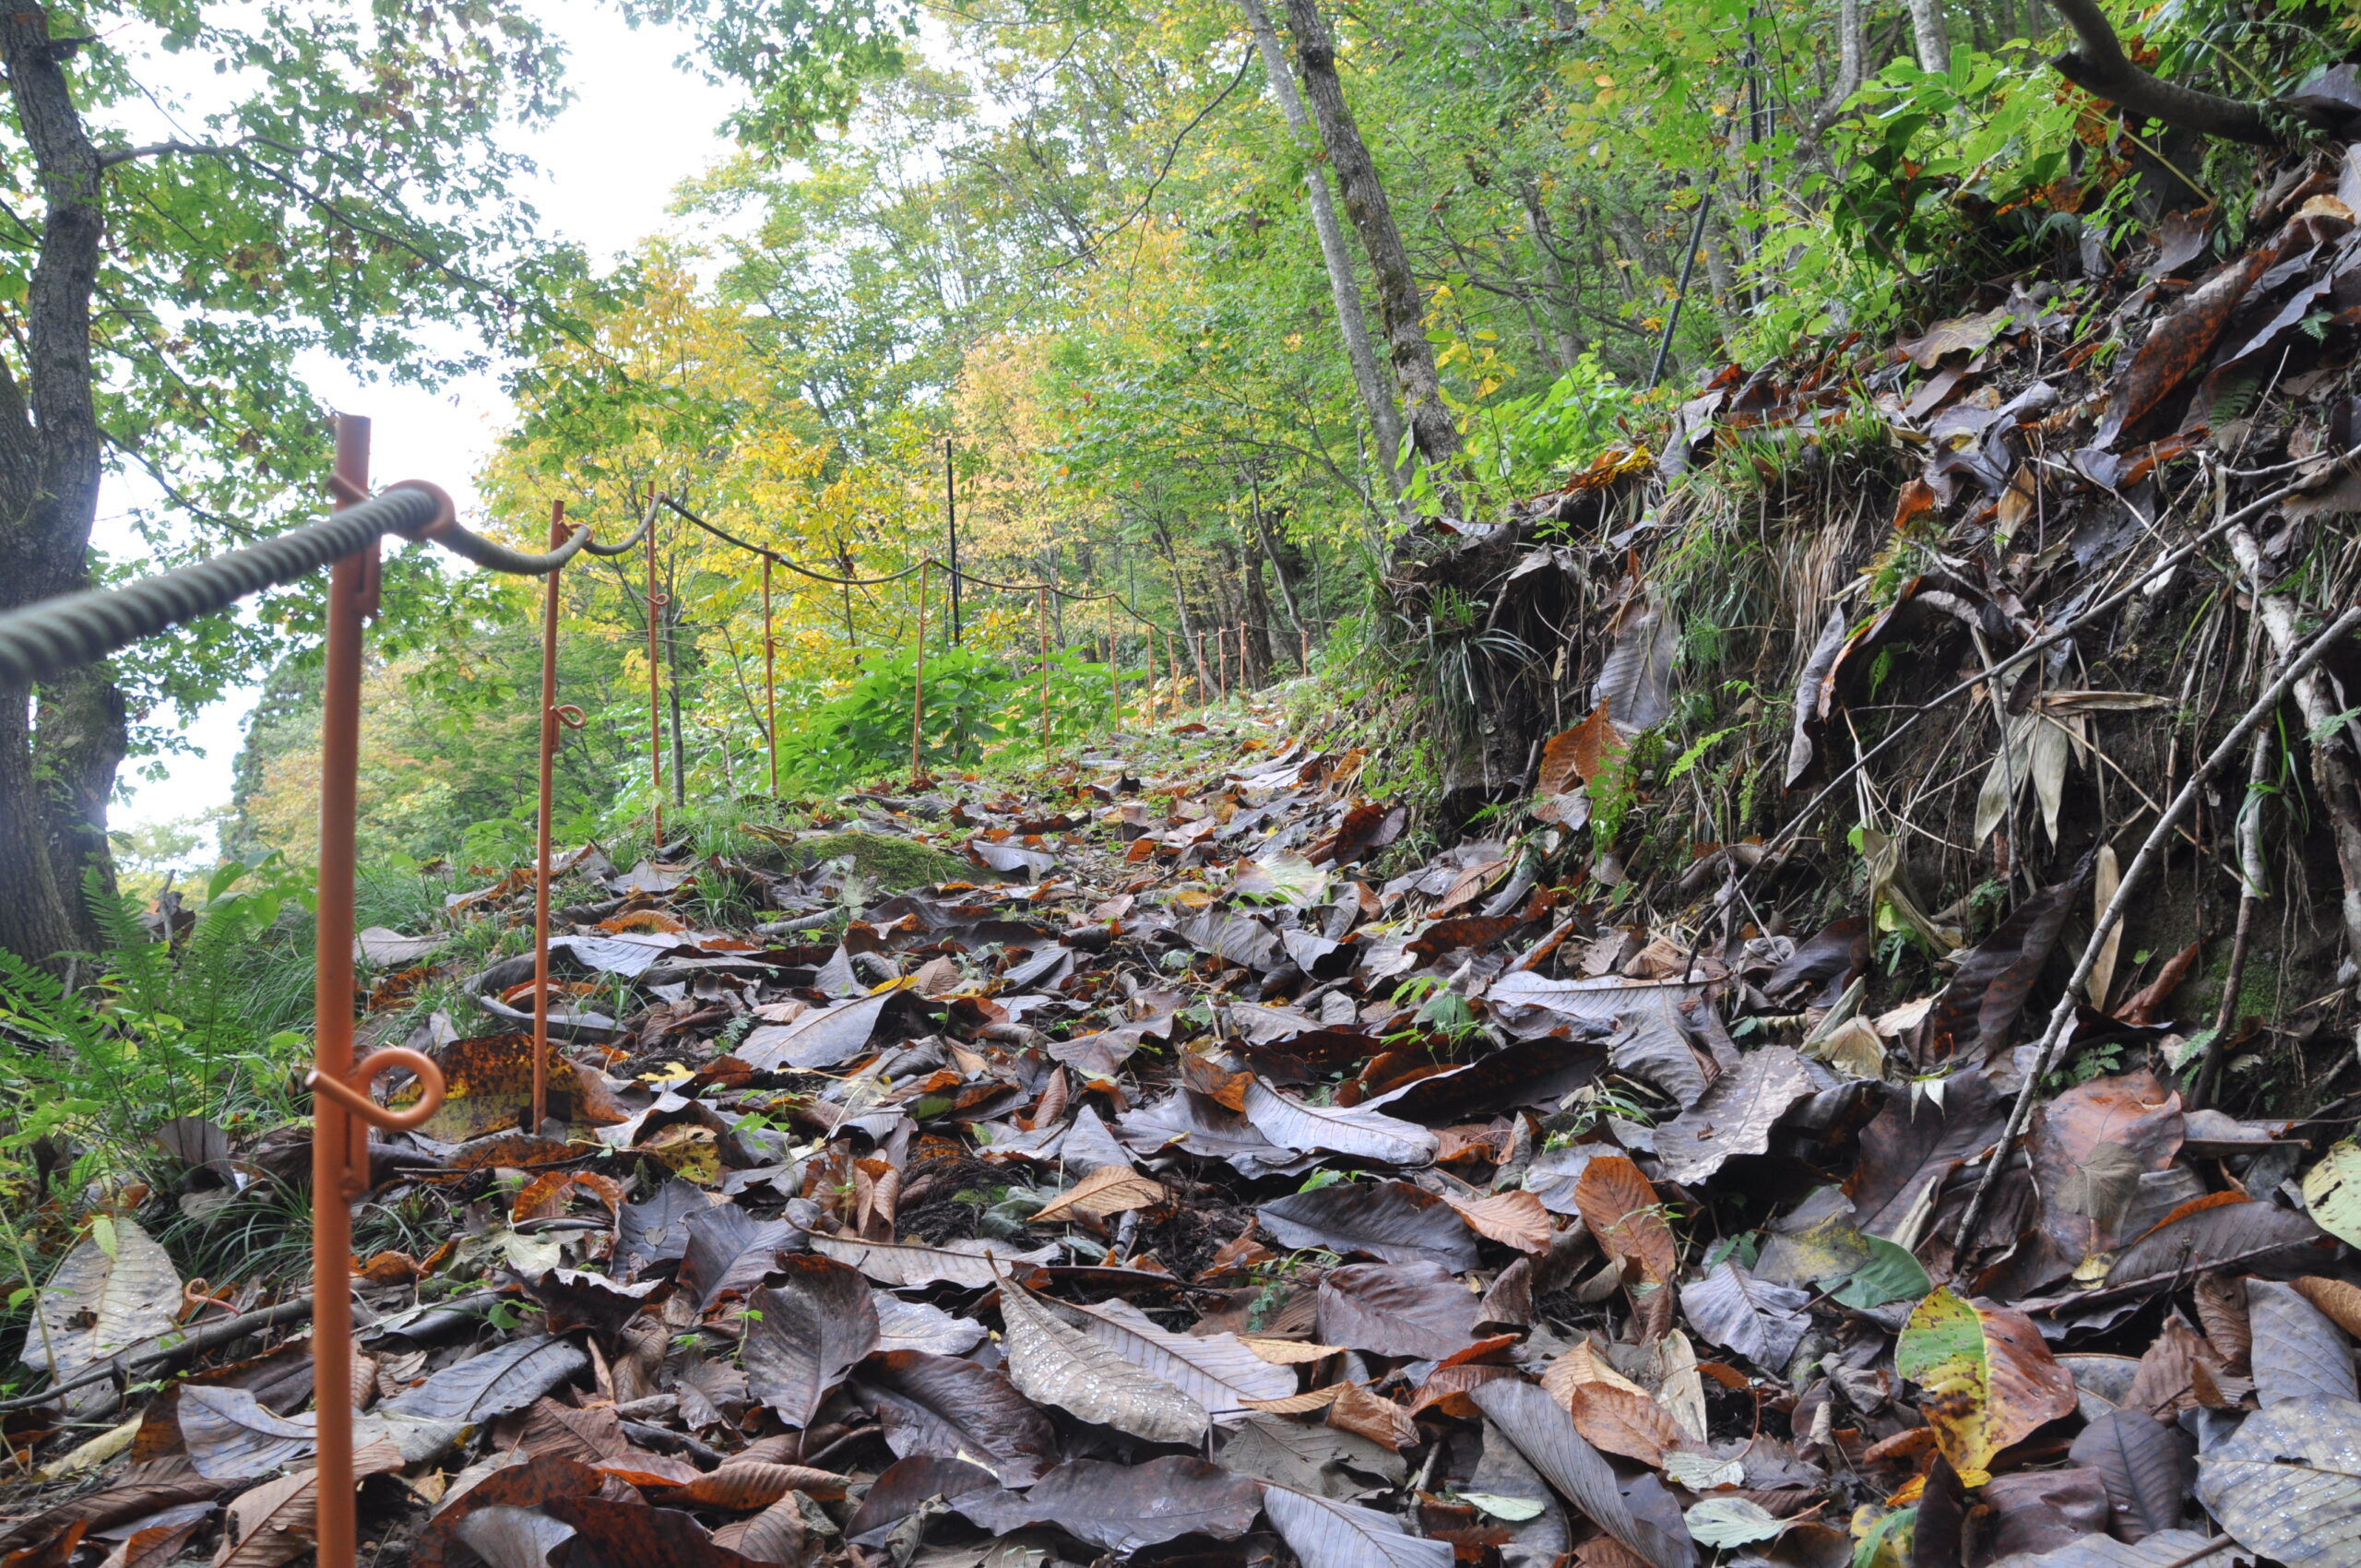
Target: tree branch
(2101,68)
(110,157)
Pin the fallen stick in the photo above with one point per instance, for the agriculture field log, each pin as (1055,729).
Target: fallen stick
(2321,723)
(198,1340)
(2150,852)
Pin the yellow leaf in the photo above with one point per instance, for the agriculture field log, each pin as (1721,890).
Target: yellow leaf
(1989,1380)
(2333,1192)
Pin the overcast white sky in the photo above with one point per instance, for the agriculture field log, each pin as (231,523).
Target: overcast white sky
(636,128)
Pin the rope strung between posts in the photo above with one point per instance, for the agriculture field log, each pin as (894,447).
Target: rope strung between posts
(44,640)
(922,569)
(964,574)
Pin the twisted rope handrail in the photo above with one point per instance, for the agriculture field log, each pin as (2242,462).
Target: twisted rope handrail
(43,640)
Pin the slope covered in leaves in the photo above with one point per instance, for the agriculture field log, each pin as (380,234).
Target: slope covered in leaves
(1179,1188)
(1226,1168)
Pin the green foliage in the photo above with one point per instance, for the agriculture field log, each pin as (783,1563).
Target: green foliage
(200,1027)
(894,864)
(974,705)
(1516,447)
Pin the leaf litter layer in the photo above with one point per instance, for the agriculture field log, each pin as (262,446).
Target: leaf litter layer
(1182,1168)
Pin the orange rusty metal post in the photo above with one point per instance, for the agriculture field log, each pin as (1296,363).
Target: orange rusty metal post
(656,602)
(341,1108)
(351,582)
(918,681)
(558,533)
(770,678)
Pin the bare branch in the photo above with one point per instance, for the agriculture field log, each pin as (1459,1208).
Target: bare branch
(110,157)
(2101,68)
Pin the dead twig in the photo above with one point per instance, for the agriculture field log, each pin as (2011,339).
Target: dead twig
(194,1342)
(2150,853)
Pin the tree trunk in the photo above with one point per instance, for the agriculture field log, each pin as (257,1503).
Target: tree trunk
(1929,33)
(34,921)
(1852,49)
(1398,300)
(1180,606)
(82,734)
(1565,343)
(1343,286)
(49,454)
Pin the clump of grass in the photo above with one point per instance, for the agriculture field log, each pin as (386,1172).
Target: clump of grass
(894,864)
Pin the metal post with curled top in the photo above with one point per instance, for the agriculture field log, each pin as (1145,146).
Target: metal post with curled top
(42,641)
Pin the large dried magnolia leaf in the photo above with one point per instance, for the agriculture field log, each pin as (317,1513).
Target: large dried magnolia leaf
(1110,1189)
(1513,1492)
(2220,1231)
(2143,1467)
(1626,1218)
(280,1520)
(1410,1308)
(1518,1220)
(2089,1148)
(948,1408)
(2297,1350)
(525,1483)
(1976,1010)
(731,1252)
(1326,1534)
(901,1264)
(1625,1421)
(1989,1380)
(915,1325)
(1821,661)
(507,1537)
(1060,1365)
(1762,1322)
(906,1487)
(1335,1129)
(823,1038)
(1924,1133)
(506,1377)
(1328,1460)
(1635,680)
(1216,1370)
(231,1435)
(1125,1508)
(2333,1192)
(1546,1436)
(1392,1220)
(115,1289)
(658,1231)
(2160,1551)
(2287,1483)
(1735,1116)
(817,1325)
(775,1534)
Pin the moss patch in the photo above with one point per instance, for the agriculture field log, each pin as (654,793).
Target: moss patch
(895,864)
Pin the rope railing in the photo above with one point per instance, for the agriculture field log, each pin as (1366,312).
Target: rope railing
(42,641)
(922,568)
